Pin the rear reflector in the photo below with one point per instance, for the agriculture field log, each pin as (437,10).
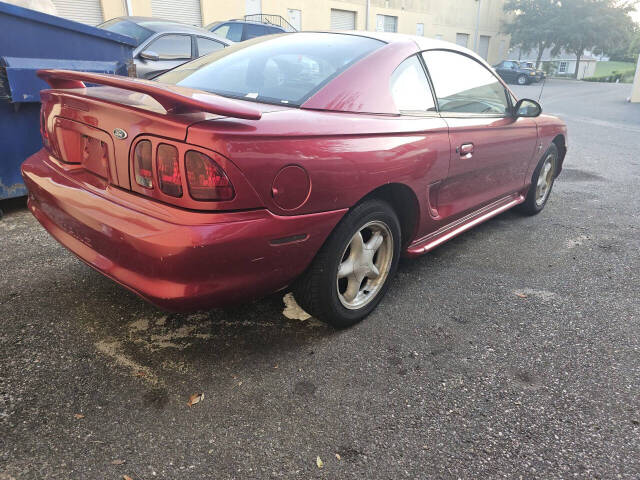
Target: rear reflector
(142,164)
(169,179)
(206,180)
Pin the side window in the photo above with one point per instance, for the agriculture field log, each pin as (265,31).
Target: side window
(410,87)
(463,85)
(232,31)
(172,47)
(252,31)
(206,46)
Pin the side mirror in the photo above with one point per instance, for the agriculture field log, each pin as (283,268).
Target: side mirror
(150,55)
(527,108)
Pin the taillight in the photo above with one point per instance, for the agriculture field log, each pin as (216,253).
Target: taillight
(43,128)
(169,179)
(206,180)
(142,164)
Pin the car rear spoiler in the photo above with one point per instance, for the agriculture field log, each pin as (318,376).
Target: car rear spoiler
(172,101)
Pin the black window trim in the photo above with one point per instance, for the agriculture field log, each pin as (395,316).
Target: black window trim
(507,93)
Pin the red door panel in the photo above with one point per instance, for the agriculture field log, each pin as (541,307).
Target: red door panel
(489,157)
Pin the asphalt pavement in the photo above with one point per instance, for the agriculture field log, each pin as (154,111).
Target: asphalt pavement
(513,351)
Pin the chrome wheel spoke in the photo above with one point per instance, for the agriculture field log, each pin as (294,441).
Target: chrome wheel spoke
(346,268)
(353,287)
(375,241)
(357,245)
(373,272)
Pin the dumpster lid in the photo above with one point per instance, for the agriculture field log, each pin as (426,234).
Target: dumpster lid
(64,23)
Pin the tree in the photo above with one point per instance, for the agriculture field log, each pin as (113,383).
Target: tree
(533,24)
(597,25)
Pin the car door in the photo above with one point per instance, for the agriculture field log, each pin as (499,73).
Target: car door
(500,69)
(490,148)
(164,53)
(510,71)
(253,30)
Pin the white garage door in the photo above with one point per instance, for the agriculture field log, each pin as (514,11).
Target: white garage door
(343,19)
(462,39)
(483,50)
(185,11)
(83,11)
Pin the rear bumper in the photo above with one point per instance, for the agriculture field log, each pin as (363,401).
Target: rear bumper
(177,259)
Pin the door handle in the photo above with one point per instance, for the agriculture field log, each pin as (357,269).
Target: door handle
(466,150)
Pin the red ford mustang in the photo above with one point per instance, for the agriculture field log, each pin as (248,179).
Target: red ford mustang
(308,160)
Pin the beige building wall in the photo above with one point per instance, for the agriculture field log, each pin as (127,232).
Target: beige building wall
(440,18)
(113,8)
(635,89)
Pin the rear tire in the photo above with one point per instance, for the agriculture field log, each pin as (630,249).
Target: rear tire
(541,183)
(522,80)
(352,271)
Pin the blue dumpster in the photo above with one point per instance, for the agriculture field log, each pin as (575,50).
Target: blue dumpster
(30,41)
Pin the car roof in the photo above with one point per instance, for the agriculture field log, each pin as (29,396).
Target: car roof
(252,22)
(160,25)
(423,43)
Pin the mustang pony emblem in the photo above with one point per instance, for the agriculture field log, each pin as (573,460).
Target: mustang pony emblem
(119,133)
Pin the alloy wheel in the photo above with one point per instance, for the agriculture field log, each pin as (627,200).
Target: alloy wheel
(545,180)
(365,265)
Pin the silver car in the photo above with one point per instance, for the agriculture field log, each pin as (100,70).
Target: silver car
(162,44)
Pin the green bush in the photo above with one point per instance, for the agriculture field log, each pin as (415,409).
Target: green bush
(622,77)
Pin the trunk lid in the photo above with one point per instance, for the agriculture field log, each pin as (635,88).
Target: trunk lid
(110,116)
(95,130)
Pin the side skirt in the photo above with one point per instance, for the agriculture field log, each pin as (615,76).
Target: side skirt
(432,240)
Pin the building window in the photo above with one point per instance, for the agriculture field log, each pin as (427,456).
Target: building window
(483,48)
(563,67)
(420,29)
(462,39)
(438,36)
(502,50)
(386,23)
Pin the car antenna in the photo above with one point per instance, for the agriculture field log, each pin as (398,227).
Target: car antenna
(542,88)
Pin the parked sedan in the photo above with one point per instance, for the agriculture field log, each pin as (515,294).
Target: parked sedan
(163,45)
(513,72)
(309,161)
(241,30)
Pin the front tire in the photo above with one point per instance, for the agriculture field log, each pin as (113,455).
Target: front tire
(541,182)
(522,80)
(352,271)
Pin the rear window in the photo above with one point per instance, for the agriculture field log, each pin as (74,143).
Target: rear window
(125,27)
(284,69)
(231,31)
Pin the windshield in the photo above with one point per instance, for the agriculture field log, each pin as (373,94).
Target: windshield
(125,27)
(284,69)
